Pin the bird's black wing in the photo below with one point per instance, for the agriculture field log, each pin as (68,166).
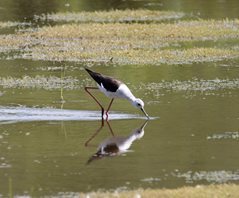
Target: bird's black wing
(109,83)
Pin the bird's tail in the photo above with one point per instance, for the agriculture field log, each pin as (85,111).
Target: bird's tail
(95,75)
(88,70)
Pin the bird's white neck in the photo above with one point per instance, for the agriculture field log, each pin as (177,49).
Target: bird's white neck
(124,92)
(132,99)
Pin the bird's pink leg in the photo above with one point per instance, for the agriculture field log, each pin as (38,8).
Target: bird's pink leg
(109,108)
(102,109)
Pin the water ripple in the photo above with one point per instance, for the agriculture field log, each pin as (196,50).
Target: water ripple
(10,115)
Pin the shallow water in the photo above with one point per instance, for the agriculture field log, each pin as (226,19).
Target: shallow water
(44,130)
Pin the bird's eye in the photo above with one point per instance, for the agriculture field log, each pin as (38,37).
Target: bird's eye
(138,104)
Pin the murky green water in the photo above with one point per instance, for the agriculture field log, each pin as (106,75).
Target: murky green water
(193,140)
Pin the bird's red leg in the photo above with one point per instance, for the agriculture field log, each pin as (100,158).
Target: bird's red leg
(102,109)
(109,108)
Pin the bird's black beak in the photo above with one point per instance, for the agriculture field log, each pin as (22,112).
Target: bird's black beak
(142,109)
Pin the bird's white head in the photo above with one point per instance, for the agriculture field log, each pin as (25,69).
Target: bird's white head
(138,103)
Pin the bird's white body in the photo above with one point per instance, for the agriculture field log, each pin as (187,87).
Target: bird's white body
(122,92)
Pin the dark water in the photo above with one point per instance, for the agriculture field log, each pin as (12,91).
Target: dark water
(192,140)
(22,10)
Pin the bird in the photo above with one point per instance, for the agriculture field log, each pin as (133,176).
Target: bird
(113,88)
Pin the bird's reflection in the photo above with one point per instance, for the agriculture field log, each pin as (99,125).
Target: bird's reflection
(115,145)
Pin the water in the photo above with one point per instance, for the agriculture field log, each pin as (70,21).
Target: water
(193,138)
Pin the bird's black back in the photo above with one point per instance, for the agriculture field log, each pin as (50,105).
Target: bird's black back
(109,83)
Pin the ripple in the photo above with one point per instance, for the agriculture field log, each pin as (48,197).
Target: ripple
(10,115)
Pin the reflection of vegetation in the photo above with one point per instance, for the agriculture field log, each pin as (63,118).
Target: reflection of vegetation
(125,43)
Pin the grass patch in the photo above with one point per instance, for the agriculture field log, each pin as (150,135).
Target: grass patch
(113,16)
(125,43)
(222,191)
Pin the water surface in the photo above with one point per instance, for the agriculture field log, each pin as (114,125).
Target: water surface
(193,140)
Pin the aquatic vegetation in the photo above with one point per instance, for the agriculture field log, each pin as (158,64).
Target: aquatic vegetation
(140,15)
(191,88)
(124,43)
(42,82)
(226,135)
(194,85)
(209,176)
(178,31)
(154,57)
(15,24)
(200,191)
(8,24)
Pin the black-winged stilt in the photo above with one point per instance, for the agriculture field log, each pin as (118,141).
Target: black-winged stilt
(113,88)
